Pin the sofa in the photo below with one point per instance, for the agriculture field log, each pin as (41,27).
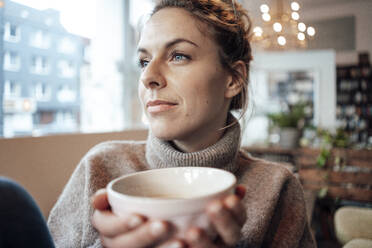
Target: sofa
(43,165)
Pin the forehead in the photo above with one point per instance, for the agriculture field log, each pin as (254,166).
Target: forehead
(171,23)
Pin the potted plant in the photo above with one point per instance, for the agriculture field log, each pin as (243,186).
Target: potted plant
(289,124)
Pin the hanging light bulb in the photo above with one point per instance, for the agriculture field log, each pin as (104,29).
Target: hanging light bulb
(284,29)
(311,31)
(258,31)
(301,36)
(277,27)
(295,6)
(281,40)
(266,17)
(295,16)
(302,27)
(264,8)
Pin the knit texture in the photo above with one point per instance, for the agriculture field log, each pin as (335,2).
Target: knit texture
(274,201)
(161,154)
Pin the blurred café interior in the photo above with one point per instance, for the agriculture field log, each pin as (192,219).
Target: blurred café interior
(68,80)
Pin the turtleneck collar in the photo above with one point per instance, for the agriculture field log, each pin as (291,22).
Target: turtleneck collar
(161,154)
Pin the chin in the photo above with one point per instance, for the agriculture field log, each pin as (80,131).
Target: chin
(166,132)
(163,135)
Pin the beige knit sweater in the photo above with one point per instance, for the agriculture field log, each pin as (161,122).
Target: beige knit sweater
(274,200)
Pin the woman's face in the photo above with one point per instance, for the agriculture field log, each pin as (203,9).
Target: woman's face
(182,84)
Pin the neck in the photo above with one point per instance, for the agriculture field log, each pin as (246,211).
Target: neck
(221,154)
(199,143)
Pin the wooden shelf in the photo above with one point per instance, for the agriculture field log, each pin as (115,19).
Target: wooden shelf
(350,178)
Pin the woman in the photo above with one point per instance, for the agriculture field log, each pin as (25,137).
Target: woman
(194,57)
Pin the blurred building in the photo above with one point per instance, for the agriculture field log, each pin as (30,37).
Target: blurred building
(40,72)
(1,71)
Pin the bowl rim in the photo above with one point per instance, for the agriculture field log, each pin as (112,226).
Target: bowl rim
(154,200)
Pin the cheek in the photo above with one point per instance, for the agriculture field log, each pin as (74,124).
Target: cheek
(141,92)
(201,98)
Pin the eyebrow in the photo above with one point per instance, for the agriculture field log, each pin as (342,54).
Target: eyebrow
(170,44)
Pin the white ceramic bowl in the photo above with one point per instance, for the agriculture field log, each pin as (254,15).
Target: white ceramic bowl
(178,194)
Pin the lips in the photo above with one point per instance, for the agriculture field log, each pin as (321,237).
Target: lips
(157,106)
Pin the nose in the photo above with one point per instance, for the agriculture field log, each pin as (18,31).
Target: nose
(152,76)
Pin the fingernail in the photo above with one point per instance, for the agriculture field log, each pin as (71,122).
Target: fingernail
(175,244)
(100,191)
(215,207)
(193,235)
(231,201)
(157,228)
(134,221)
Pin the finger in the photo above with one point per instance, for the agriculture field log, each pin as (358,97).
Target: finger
(196,238)
(224,222)
(240,191)
(99,200)
(173,244)
(236,207)
(145,235)
(110,225)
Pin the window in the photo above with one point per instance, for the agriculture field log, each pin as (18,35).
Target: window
(12,61)
(25,14)
(12,32)
(39,65)
(64,117)
(66,68)
(42,92)
(12,89)
(77,65)
(49,22)
(66,45)
(40,39)
(65,93)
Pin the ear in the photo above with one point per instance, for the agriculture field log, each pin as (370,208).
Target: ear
(235,85)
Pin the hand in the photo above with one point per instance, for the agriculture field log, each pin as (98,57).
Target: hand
(228,216)
(134,231)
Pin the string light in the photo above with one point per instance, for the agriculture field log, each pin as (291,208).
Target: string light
(258,31)
(295,16)
(295,6)
(264,8)
(281,26)
(302,27)
(301,36)
(266,17)
(281,40)
(277,27)
(310,31)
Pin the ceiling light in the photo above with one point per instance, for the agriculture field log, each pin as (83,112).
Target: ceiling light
(302,27)
(266,17)
(295,16)
(277,27)
(295,6)
(301,36)
(264,8)
(310,31)
(281,40)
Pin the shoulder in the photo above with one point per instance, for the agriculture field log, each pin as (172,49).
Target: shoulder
(116,148)
(249,164)
(116,157)
(262,176)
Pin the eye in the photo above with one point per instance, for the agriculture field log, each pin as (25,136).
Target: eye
(179,57)
(142,63)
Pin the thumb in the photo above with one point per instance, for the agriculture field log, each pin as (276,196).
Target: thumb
(100,201)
